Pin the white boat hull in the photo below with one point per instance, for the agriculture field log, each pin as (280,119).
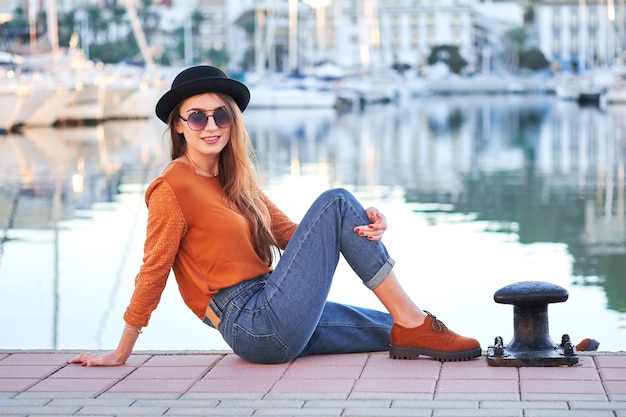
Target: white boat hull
(11,101)
(271,97)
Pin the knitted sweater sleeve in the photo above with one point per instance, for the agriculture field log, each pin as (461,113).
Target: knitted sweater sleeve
(166,227)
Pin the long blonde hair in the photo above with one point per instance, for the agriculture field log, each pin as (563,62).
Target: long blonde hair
(237,175)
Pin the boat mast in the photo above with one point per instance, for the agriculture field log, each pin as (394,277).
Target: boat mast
(293,36)
(140,36)
(53,26)
(264,35)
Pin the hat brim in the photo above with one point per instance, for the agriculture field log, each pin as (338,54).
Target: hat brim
(233,88)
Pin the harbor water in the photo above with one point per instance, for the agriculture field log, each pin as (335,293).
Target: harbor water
(479,192)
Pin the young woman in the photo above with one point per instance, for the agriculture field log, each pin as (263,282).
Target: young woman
(210,223)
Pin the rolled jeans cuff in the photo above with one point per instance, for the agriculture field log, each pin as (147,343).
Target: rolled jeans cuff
(380,276)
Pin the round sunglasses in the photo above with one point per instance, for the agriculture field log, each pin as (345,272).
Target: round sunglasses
(198,120)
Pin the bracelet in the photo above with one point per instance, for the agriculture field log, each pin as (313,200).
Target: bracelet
(134,330)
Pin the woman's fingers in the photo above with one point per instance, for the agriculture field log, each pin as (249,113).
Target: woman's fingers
(96,359)
(377,227)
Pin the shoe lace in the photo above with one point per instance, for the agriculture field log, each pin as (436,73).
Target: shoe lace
(436,324)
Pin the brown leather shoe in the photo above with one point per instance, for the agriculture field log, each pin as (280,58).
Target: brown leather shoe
(432,339)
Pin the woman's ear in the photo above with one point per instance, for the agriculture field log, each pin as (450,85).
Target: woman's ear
(178,127)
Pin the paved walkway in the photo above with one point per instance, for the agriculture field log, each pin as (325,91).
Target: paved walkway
(220,384)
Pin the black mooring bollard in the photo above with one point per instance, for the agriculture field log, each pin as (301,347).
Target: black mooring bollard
(531,344)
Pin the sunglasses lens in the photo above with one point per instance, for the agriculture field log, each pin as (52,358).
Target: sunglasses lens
(197,121)
(221,118)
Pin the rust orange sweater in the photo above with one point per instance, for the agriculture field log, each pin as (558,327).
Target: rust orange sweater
(193,231)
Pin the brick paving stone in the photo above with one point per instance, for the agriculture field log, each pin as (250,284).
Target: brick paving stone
(380,366)
(261,386)
(153,385)
(36,359)
(435,404)
(314,385)
(221,384)
(30,410)
(27,371)
(611,361)
(234,360)
(177,402)
(424,386)
(615,387)
(168,372)
(563,397)
(293,403)
(14,402)
(347,403)
(220,396)
(307,396)
(507,412)
(323,372)
(526,405)
(392,396)
(327,412)
(100,402)
(474,373)
(478,386)
(478,396)
(207,360)
(568,413)
(597,405)
(123,411)
(585,361)
(612,374)
(58,394)
(559,374)
(247,372)
(72,385)
(569,387)
(209,412)
(136,396)
(402,412)
(354,359)
(16,385)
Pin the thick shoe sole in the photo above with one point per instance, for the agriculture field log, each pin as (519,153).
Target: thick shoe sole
(407,352)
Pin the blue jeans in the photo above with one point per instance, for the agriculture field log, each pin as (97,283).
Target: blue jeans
(284,314)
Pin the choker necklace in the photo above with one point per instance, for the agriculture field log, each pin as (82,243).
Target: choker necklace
(210,174)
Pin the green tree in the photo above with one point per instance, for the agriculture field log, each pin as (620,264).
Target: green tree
(218,57)
(97,25)
(448,54)
(67,26)
(533,59)
(118,13)
(197,17)
(16,29)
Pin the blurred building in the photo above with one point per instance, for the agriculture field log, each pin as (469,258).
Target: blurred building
(365,34)
(581,34)
(375,34)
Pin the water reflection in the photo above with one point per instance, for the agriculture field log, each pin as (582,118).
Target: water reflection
(548,170)
(530,167)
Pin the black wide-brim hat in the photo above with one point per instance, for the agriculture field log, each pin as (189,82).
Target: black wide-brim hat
(198,80)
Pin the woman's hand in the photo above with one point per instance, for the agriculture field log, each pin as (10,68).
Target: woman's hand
(98,359)
(115,358)
(378,225)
